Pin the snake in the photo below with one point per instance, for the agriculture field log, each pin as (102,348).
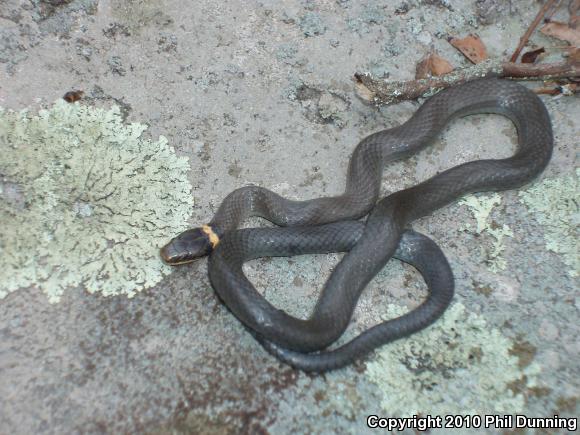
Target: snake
(334,224)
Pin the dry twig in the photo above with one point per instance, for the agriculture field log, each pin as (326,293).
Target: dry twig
(524,39)
(568,89)
(381,92)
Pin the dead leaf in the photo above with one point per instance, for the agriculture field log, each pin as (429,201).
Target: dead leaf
(432,65)
(72,96)
(472,47)
(362,91)
(531,56)
(574,55)
(562,31)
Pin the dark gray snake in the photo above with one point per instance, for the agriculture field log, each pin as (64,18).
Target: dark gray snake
(328,224)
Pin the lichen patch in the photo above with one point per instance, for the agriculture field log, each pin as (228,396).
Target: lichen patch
(457,366)
(481,207)
(85,201)
(554,204)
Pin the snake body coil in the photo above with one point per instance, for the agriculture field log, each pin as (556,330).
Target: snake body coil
(372,245)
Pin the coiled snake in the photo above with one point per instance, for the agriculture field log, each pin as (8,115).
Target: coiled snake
(329,224)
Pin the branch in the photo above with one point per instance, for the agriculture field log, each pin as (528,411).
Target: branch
(381,92)
(569,89)
(544,71)
(524,39)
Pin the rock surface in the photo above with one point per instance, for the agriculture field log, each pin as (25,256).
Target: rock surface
(262,92)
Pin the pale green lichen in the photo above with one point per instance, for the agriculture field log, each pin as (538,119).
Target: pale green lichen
(85,200)
(481,207)
(495,260)
(457,366)
(554,203)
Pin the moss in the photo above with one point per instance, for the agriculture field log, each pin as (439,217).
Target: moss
(85,200)
(457,366)
(481,207)
(554,203)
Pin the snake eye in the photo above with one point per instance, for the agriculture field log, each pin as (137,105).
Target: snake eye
(187,247)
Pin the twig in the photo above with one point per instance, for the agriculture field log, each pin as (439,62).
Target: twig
(524,39)
(569,89)
(551,13)
(542,71)
(381,92)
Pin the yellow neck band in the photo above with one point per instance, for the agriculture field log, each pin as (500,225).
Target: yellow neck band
(213,237)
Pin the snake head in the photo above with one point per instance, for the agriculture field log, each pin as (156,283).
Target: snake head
(190,245)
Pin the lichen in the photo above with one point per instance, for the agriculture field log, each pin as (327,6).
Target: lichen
(481,207)
(370,15)
(554,203)
(85,201)
(331,108)
(287,53)
(457,366)
(495,260)
(312,25)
